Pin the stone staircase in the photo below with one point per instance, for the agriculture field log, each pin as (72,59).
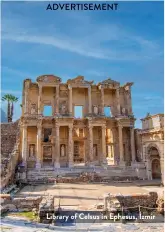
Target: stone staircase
(110,173)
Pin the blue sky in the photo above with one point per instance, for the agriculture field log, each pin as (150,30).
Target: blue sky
(125,45)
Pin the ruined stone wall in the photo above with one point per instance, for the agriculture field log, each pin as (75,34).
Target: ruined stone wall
(10,145)
(9,132)
(20,203)
(138,145)
(132,200)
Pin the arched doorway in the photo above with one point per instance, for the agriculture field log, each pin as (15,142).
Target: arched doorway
(155,162)
(156,171)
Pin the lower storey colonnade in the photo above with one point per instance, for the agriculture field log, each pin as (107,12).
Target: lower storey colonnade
(67,145)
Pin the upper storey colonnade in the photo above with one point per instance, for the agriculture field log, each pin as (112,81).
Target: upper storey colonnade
(64,98)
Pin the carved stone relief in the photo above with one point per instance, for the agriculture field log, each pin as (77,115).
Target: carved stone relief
(33,109)
(63,107)
(63,93)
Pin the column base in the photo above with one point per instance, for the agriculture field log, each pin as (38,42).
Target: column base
(134,163)
(70,165)
(122,163)
(56,165)
(38,165)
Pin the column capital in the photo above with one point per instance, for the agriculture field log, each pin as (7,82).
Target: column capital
(69,87)
(70,127)
(120,125)
(101,87)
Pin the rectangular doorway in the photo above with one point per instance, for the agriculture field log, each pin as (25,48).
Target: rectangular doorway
(78,151)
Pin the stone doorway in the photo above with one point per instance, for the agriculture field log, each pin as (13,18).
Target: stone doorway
(47,155)
(156,171)
(79,152)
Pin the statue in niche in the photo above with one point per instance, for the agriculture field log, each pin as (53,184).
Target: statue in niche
(63,108)
(62,150)
(123,111)
(95,150)
(95,109)
(32,151)
(33,109)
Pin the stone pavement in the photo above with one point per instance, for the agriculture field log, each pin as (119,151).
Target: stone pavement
(84,196)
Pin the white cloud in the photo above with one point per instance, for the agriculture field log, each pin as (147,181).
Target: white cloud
(100,41)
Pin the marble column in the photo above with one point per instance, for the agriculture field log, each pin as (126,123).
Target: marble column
(129,102)
(90,143)
(102,101)
(89,100)
(26,100)
(57,147)
(162,168)
(103,158)
(132,145)
(70,99)
(39,100)
(121,151)
(39,148)
(70,147)
(26,103)
(57,100)
(54,102)
(118,100)
(24,145)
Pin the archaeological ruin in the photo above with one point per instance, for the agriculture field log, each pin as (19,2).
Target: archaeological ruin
(79,126)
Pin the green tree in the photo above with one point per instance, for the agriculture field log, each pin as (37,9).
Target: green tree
(10,105)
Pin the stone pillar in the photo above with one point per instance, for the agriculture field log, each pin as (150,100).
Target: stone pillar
(57,147)
(57,100)
(26,102)
(70,99)
(118,100)
(54,103)
(132,145)
(103,159)
(26,99)
(90,143)
(89,100)
(120,128)
(24,145)
(162,168)
(130,102)
(39,148)
(39,100)
(70,147)
(102,100)
(148,169)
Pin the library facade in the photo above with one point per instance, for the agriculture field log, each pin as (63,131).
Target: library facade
(77,122)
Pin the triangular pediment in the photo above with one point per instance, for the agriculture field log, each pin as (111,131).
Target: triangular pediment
(49,79)
(79,80)
(109,81)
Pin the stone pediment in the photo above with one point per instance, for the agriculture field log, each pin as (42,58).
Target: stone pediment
(49,79)
(109,82)
(79,80)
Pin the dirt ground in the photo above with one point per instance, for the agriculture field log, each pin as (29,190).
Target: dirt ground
(84,196)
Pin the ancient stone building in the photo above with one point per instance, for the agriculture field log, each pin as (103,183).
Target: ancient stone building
(77,122)
(150,145)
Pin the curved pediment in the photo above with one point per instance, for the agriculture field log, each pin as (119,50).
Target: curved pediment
(49,79)
(79,80)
